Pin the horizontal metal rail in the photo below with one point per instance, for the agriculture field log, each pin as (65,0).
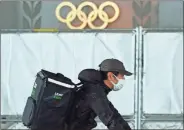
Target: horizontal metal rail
(162,117)
(146,117)
(164,30)
(55,30)
(54,0)
(18,118)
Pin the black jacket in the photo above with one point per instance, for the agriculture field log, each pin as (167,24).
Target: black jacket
(91,102)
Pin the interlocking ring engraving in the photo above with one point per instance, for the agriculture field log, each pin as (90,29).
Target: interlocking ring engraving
(87,19)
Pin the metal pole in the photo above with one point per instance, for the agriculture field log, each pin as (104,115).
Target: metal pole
(137,86)
(55,30)
(136,73)
(139,90)
(141,49)
(141,59)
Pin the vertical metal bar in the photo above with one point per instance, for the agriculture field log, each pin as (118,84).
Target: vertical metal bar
(139,76)
(0,70)
(142,76)
(141,73)
(135,70)
(136,97)
(138,94)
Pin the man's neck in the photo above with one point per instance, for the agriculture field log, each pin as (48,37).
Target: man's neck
(108,84)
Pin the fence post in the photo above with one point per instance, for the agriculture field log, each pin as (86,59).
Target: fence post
(138,86)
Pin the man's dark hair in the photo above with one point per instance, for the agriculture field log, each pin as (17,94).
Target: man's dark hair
(104,74)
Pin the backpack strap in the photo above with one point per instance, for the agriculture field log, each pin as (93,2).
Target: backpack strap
(78,86)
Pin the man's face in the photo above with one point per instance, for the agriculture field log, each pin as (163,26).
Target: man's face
(112,78)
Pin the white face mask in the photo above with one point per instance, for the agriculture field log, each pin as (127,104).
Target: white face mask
(119,85)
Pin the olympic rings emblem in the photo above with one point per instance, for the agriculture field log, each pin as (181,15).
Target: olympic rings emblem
(87,20)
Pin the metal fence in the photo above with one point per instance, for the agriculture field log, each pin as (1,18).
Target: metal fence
(139,117)
(143,117)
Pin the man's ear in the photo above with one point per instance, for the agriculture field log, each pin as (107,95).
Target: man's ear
(110,75)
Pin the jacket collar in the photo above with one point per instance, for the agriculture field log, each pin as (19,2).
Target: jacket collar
(106,88)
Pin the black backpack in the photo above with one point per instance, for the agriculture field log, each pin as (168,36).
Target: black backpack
(50,103)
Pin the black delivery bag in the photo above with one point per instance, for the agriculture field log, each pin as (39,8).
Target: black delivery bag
(50,102)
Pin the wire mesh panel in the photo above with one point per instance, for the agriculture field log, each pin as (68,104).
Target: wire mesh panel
(162,79)
(163,75)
